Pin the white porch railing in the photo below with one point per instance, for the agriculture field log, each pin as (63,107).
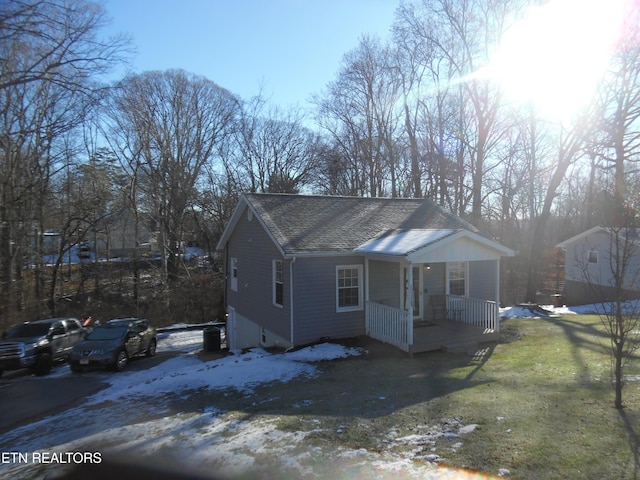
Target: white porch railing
(474,311)
(389,325)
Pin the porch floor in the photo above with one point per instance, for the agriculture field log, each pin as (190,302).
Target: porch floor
(449,335)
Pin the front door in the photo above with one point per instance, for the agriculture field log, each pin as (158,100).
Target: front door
(417,290)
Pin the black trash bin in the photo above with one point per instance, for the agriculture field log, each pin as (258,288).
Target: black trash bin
(557,300)
(211,339)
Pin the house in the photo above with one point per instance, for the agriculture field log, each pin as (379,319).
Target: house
(591,259)
(119,234)
(301,268)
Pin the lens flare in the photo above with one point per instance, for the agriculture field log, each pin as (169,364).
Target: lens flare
(555,56)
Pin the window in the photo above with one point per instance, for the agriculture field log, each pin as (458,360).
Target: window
(72,325)
(593,256)
(234,274)
(278,289)
(457,278)
(349,288)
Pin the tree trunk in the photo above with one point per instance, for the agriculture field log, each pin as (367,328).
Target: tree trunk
(618,377)
(5,264)
(566,153)
(619,332)
(415,155)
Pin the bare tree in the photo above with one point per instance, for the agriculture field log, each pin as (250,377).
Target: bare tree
(620,322)
(57,42)
(50,56)
(79,194)
(459,37)
(167,126)
(274,150)
(360,114)
(620,100)
(570,147)
(609,266)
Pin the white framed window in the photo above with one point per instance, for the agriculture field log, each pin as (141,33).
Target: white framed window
(349,292)
(234,274)
(278,286)
(457,278)
(593,256)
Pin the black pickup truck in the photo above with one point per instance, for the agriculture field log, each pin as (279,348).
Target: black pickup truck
(36,345)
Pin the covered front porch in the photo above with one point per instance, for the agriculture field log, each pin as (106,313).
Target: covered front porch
(451,333)
(432,289)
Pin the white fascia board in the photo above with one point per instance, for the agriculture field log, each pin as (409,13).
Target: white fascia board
(235,218)
(580,236)
(499,248)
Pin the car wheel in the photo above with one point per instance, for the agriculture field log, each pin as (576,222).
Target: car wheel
(121,360)
(76,368)
(151,351)
(43,364)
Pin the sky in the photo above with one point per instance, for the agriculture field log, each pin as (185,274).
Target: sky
(292,48)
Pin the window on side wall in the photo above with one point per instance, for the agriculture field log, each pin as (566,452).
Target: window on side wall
(593,256)
(278,287)
(234,274)
(349,288)
(457,278)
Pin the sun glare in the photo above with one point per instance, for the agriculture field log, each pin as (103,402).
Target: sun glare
(554,57)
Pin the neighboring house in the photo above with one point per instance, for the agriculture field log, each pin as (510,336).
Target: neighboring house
(301,269)
(118,234)
(590,262)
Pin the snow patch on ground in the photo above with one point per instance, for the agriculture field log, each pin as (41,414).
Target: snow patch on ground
(133,417)
(522,311)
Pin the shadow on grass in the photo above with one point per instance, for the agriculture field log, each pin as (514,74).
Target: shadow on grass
(634,441)
(581,335)
(380,382)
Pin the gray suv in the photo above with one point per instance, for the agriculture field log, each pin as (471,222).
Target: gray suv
(38,344)
(112,345)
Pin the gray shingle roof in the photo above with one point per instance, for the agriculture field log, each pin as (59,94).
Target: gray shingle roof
(315,224)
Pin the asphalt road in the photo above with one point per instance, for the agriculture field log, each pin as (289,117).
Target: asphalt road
(25,398)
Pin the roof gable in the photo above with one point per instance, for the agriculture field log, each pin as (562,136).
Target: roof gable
(307,224)
(632,234)
(580,236)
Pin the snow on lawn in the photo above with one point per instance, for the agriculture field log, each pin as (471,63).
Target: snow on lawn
(525,311)
(137,416)
(242,372)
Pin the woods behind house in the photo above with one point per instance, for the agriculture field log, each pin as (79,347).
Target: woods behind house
(135,170)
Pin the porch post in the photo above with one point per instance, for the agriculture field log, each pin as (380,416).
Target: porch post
(366,279)
(497,312)
(409,279)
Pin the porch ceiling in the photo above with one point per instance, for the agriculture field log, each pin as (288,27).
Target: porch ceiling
(423,246)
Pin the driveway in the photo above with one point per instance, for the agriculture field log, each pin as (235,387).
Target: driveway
(25,398)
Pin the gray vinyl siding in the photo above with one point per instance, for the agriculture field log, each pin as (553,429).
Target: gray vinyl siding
(482,279)
(581,293)
(384,284)
(577,266)
(434,279)
(434,284)
(255,251)
(315,301)
(587,283)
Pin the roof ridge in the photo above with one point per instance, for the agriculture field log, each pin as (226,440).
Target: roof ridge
(322,223)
